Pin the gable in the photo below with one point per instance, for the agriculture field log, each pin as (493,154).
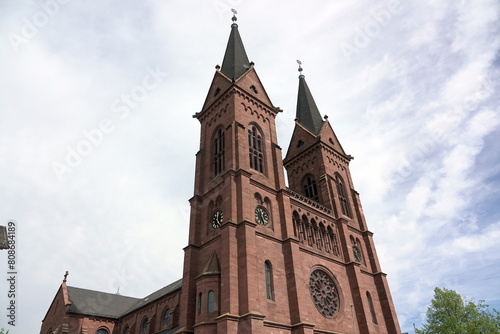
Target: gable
(301,140)
(57,304)
(251,84)
(300,134)
(248,82)
(328,137)
(55,316)
(220,83)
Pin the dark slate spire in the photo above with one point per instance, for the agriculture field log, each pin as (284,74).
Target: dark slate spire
(235,61)
(307,112)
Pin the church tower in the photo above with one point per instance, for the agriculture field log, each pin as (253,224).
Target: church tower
(264,258)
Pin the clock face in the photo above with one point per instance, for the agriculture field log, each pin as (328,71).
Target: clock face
(261,215)
(217,219)
(357,253)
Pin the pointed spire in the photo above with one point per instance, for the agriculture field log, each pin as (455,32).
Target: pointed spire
(307,112)
(235,61)
(212,266)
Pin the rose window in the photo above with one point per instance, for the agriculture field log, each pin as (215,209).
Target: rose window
(324,293)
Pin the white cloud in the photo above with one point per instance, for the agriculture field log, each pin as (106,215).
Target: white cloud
(485,241)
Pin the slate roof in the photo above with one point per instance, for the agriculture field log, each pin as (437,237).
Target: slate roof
(155,295)
(97,303)
(108,305)
(235,61)
(307,112)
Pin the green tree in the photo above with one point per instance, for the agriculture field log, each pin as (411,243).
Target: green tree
(2,331)
(449,313)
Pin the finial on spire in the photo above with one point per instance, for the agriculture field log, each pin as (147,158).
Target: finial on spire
(65,276)
(234,18)
(300,68)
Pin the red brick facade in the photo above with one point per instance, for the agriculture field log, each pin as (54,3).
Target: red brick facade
(261,257)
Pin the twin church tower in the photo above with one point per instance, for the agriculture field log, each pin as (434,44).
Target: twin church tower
(263,257)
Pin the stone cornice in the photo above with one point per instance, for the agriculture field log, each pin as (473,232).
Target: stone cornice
(311,203)
(214,109)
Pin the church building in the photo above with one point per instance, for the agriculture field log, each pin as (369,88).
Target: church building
(262,257)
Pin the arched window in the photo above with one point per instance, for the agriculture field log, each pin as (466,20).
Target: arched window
(334,242)
(320,232)
(302,232)
(328,242)
(370,305)
(211,301)
(219,145)
(200,302)
(166,317)
(342,195)
(357,251)
(296,222)
(255,150)
(310,188)
(102,331)
(310,233)
(269,280)
(127,330)
(144,326)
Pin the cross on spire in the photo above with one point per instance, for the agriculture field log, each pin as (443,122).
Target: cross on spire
(234,18)
(300,65)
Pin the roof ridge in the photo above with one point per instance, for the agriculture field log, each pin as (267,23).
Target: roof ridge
(108,293)
(150,298)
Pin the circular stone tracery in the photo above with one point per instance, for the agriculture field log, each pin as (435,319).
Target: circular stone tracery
(324,293)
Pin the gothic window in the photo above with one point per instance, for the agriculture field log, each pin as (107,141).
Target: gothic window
(102,331)
(166,317)
(310,234)
(370,305)
(211,301)
(319,235)
(332,238)
(326,238)
(303,229)
(342,195)
(255,150)
(200,302)
(219,145)
(356,250)
(296,221)
(269,280)
(302,233)
(127,330)
(324,293)
(144,326)
(310,188)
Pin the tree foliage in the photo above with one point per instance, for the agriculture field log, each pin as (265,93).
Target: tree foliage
(449,313)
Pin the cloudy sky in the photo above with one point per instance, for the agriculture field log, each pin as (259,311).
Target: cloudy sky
(97,141)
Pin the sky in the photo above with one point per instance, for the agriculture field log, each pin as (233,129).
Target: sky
(97,139)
